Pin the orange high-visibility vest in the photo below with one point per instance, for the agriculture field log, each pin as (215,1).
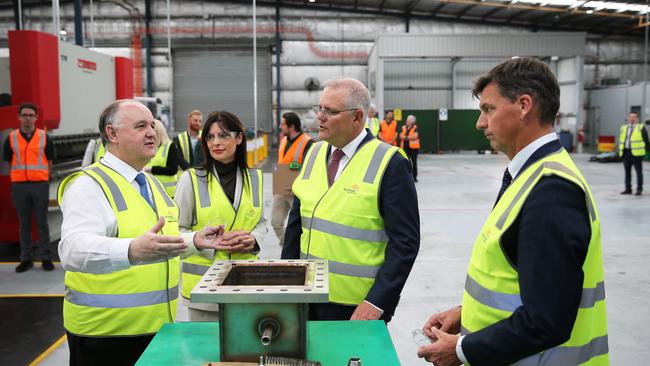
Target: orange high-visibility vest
(387,132)
(413,144)
(29,162)
(295,151)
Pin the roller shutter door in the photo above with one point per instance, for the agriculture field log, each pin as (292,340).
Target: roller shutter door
(222,80)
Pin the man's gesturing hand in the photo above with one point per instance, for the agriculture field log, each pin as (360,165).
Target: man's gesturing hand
(151,247)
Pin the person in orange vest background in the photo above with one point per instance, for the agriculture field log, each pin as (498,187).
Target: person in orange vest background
(388,129)
(410,142)
(30,152)
(292,150)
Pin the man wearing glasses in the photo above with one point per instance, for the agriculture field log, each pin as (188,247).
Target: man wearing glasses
(29,151)
(356,206)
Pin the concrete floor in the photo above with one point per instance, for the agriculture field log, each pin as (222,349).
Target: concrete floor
(456,193)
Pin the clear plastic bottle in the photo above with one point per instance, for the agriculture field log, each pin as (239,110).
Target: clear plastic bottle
(420,338)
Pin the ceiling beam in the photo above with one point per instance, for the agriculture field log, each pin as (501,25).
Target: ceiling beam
(437,8)
(516,14)
(412,5)
(494,10)
(465,10)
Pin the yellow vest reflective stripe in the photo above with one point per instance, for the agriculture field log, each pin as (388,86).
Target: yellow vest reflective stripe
(212,205)
(186,144)
(100,150)
(160,159)
(373,125)
(637,145)
(492,285)
(342,223)
(133,301)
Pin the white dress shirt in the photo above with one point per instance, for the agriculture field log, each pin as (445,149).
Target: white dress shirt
(522,156)
(89,240)
(514,167)
(348,152)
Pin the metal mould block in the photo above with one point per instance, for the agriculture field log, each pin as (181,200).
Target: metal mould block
(264,281)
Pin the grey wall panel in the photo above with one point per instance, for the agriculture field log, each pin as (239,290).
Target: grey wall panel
(463,99)
(482,45)
(614,105)
(566,70)
(293,77)
(416,99)
(434,74)
(221,80)
(568,99)
(5,76)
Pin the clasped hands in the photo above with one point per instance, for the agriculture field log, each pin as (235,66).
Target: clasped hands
(443,329)
(152,246)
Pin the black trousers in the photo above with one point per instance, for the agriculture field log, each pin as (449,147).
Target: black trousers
(108,351)
(413,156)
(32,198)
(330,311)
(637,161)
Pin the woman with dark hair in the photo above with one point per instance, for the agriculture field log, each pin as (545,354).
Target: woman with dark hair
(220,191)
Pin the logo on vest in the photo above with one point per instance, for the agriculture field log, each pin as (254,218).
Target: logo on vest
(250,213)
(485,235)
(353,189)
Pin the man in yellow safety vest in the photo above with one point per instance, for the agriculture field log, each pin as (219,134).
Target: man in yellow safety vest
(534,290)
(120,245)
(632,146)
(355,206)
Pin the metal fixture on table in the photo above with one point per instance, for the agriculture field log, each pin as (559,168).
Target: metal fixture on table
(263,305)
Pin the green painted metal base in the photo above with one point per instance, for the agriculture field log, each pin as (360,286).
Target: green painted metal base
(332,343)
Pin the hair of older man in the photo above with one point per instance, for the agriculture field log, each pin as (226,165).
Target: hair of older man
(358,94)
(109,117)
(525,75)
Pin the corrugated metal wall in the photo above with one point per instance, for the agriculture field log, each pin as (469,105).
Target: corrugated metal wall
(309,42)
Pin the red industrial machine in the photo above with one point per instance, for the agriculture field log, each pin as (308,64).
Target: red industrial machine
(70,84)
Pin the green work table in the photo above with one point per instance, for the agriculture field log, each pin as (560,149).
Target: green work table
(332,343)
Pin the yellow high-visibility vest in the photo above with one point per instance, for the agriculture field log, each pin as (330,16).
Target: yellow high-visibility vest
(492,285)
(160,159)
(133,301)
(211,203)
(637,145)
(342,223)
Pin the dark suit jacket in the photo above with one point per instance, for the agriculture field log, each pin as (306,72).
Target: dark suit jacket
(548,245)
(398,205)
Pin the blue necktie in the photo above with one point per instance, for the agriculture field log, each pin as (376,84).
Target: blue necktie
(142,182)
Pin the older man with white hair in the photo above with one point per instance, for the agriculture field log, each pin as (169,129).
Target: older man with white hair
(355,206)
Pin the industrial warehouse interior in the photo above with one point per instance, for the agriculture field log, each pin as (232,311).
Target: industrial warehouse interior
(427,224)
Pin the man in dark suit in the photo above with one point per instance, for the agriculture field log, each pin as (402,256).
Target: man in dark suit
(356,206)
(534,289)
